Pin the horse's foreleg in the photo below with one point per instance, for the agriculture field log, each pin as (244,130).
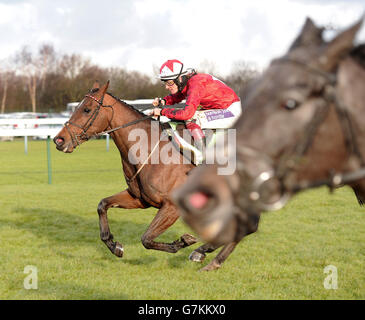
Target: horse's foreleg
(359,189)
(198,255)
(221,257)
(120,200)
(165,217)
(217,262)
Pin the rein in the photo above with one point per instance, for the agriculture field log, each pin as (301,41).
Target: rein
(145,162)
(124,126)
(288,161)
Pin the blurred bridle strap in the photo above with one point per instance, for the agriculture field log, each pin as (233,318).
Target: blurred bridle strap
(331,77)
(330,96)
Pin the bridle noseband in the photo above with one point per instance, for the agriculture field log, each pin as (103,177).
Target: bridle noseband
(288,161)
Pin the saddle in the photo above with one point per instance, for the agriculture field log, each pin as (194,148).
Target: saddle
(181,139)
(184,142)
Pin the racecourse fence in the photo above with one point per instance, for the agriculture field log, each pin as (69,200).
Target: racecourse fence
(12,126)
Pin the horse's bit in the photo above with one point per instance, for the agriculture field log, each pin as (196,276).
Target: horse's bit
(288,161)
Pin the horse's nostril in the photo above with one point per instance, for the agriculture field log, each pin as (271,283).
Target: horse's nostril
(198,200)
(58,141)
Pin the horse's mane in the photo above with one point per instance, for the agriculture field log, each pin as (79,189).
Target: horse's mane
(358,54)
(123,102)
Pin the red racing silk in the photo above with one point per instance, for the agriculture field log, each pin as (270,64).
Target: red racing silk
(201,90)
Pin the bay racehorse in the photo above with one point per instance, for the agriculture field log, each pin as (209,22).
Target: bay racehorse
(149,183)
(303,126)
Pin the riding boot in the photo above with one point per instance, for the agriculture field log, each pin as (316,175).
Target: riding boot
(200,144)
(198,136)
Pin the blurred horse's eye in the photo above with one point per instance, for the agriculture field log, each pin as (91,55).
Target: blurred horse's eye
(291,104)
(87,110)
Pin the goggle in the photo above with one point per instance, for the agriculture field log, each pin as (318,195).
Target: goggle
(169,83)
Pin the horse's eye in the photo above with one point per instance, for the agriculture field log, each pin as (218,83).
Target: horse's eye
(291,104)
(87,110)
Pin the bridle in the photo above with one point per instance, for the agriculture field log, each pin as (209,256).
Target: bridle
(86,126)
(84,135)
(288,161)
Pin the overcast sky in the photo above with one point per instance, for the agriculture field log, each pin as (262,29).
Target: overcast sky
(142,34)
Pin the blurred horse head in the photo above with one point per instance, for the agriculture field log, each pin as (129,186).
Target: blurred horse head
(303,126)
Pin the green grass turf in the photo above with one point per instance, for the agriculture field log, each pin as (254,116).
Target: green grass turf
(55,228)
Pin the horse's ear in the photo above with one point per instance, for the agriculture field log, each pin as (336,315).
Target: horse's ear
(105,88)
(339,47)
(96,85)
(309,35)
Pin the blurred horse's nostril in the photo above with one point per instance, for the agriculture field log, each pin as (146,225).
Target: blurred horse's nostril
(198,200)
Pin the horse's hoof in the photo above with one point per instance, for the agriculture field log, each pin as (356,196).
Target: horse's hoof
(211,266)
(197,256)
(188,239)
(119,250)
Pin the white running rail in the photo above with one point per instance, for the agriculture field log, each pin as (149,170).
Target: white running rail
(31,127)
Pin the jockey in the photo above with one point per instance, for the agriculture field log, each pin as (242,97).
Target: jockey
(200,90)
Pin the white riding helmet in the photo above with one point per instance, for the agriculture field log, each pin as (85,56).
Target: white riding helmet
(171,70)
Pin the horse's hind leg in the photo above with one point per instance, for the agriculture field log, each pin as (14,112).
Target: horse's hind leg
(165,217)
(120,200)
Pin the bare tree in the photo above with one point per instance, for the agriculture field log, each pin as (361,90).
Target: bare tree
(207,66)
(48,80)
(46,62)
(4,80)
(241,75)
(5,91)
(27,65)
(73,68)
